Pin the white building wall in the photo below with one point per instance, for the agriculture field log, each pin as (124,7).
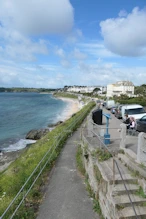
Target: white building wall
(119,88)
(110,88)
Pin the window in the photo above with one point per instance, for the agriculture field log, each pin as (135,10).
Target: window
(143,118)
(134,111)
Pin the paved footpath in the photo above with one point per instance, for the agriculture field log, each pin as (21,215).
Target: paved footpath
(66,196)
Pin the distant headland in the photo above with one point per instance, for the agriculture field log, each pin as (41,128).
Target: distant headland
(22,89)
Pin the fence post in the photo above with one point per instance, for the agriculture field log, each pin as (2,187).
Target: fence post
(89,126)
(123,135)
(113,171)
(141,149)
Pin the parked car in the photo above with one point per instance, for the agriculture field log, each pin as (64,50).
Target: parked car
(135,110)
(110,104)
(113,109)
(141,124)
(104,104)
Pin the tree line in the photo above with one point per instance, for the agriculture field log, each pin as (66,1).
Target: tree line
(18,89)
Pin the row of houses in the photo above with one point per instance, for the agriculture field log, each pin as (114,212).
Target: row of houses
(85,89)
(118,88)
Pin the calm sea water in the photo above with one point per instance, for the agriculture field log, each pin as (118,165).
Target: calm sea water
(21,112)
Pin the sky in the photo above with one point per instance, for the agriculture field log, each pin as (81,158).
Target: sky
(57,43)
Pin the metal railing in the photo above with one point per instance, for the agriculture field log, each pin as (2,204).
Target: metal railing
(24,191)
(101,135)
(114,163)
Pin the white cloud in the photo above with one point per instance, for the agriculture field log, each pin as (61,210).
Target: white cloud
(19,47)
(37,16)
(77,54)
(96,49)
(105,73)
(12,75)
(21,19)
(126,36)
(65,63)
(74,36)
(47,76)
(122,13)
(60,52)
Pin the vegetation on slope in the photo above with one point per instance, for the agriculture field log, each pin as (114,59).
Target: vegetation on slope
(18,172)
(65,94)
(124,99)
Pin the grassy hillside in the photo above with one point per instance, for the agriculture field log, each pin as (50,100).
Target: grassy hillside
(18,172)
(65,94)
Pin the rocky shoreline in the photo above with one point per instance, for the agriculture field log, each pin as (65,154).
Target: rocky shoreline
(6,158)
(36,134)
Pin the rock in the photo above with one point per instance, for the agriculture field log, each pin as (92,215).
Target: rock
(55,124)
(36,134)
(58,123)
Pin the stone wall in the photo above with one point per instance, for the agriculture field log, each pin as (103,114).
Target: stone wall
(100,186)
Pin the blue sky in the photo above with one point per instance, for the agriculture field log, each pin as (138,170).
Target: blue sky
(53,43)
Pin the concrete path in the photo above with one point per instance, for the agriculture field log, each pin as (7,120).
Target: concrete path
(66,196)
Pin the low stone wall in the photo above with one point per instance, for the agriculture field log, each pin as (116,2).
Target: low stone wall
(100,186)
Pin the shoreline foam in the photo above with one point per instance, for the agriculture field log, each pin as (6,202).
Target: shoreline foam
(72,108)
(7,157)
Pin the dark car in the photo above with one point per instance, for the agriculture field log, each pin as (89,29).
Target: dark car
(104,104)
(113,109)
(118,113)
(141,124)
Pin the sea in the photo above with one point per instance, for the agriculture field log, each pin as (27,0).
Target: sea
(22,112)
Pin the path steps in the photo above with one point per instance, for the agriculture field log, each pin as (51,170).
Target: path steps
(128,213)
(118,195)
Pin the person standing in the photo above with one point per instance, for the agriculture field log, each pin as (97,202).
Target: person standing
(127,121)
(132,123)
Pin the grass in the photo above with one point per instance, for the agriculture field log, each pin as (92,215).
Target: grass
(102,155)
(142,165)
(80,165)
(121,151)
(135,173)
(141,193)
(66,95)
(79,160)
(97,173)
(97,208)
(96,204)
(18,172)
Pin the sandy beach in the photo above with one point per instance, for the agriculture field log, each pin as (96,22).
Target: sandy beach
(6,158)
(73,106)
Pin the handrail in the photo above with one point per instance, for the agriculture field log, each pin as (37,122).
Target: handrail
(54,146)
(118,171)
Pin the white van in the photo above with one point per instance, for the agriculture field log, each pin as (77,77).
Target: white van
(134,110)
(110,104)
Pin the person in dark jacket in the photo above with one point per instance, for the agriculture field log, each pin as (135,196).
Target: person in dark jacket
(127,121)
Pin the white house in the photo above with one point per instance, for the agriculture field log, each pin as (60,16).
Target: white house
(120,87)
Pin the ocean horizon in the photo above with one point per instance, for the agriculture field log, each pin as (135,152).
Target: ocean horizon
(22,112)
